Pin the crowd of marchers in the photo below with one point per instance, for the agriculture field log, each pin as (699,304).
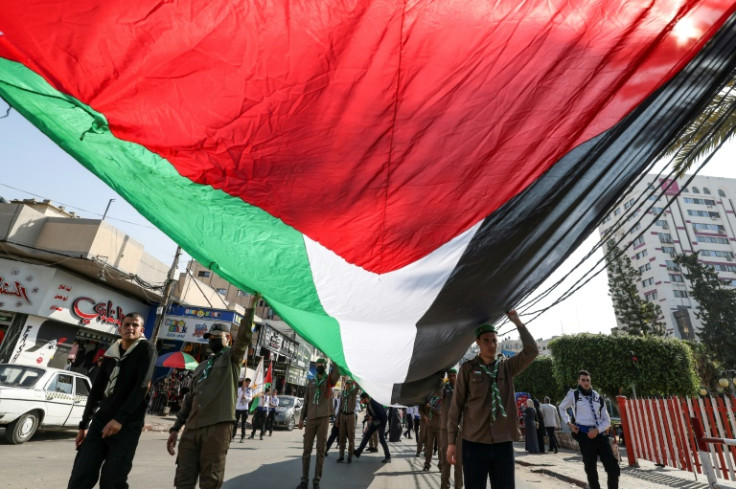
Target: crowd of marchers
(470,420)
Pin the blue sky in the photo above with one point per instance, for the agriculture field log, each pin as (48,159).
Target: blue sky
(34,167)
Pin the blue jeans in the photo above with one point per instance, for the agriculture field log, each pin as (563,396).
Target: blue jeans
(484,461)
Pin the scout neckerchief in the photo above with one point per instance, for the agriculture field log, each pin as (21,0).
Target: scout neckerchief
(592,409)
(496,401)
(210,363)
(345,394)
(433,401)
(318,391)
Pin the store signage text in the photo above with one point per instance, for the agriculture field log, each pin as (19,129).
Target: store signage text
(15,289)
(88,310)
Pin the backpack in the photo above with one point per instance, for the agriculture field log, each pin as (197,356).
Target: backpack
(576,393)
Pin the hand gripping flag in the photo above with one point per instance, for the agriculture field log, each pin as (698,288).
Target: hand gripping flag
(387,174)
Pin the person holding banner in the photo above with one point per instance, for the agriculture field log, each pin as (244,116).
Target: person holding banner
(208,411)
(316,411)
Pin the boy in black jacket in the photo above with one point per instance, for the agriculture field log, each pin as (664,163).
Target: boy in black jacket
(116,407)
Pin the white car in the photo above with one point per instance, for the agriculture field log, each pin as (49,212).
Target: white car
(33,397)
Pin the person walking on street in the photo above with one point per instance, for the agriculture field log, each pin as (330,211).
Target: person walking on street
(208,411)
(261,413)
(409,421)
(316,411)
(551,423)
(590,430)
(530,427)
(541,431)
(377,425)
(245,395)
(484,402)
(347,419)
(115,412)
(447,392)
(432,423)
(273,403)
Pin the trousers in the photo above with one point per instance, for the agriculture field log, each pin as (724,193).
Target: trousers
(202,454)
(314,428)
(600,446)
(488,461)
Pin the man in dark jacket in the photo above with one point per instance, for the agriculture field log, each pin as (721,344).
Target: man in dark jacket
(378,424)
(116,407)
(208,411)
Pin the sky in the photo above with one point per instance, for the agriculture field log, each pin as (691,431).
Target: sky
(32,166)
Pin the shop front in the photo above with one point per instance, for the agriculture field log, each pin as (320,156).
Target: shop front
(49,317)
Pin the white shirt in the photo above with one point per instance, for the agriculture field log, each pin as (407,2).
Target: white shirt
(273,402)
(243,400)
(549,415)
(412,411)
(583,414)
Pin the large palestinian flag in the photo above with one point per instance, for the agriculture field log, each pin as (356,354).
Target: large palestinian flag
(388,174)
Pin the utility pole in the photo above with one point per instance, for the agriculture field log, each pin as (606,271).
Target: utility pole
(166,297)
(107,208)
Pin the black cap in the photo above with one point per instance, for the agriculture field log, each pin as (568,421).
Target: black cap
(225,328)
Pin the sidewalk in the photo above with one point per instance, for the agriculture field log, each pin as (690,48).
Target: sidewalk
(567,465)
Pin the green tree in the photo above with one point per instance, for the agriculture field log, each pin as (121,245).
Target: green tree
(655,366)
(706,132)
(539,380)
(716,309)
(636,315)
(706,364)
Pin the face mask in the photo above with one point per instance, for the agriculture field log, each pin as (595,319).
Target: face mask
(320,370)
(216,344)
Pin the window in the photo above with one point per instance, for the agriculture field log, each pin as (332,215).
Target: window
(662,223)
(651,296)
(690,200)
(724,268)
(722,254)
(628,204)
(203,273)
(711,239)
(665,238)
(640,255)
(645,267)
(606,219)
(721,193)
(671,265)
(638,241)
(61,383)
(668,249)
(706,190)
(685,189)
(637,227)
(242,293)
(699,226)
(653,198)
(656,210)
(82,387)
(695,190)
(676,277)
(617,211)
(647,282)
(711,214)
(222,291)
(680,293)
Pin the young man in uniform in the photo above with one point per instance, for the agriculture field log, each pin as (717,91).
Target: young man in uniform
(245,395)
(432,414)
(447,393)
(317,409)
(273,403)
(489,428)
(208,411)
(346,416)
(116,407)
(591,430)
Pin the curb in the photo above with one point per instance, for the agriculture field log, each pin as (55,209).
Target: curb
(552,473)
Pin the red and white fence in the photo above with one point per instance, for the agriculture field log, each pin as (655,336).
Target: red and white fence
(665,431)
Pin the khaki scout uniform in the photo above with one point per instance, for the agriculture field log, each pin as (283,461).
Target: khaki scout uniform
(471,401)
(432,427)
(347,421)
(446,465)
(318,421)
(208,414)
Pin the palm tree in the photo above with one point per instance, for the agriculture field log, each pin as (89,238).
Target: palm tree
(706,132)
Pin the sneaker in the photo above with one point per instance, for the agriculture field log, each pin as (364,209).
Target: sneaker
(302,485)
(340,460)
(356,454)
(386,460)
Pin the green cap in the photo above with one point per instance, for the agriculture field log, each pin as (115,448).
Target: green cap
(484,328)
(322,360)
(452,371)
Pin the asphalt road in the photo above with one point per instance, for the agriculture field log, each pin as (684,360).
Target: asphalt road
(274,463)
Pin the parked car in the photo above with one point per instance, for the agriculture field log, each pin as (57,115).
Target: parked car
(37,397)
(289,410)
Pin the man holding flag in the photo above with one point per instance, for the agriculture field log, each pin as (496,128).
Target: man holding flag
(208,411)
(261,399)
(317,409)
